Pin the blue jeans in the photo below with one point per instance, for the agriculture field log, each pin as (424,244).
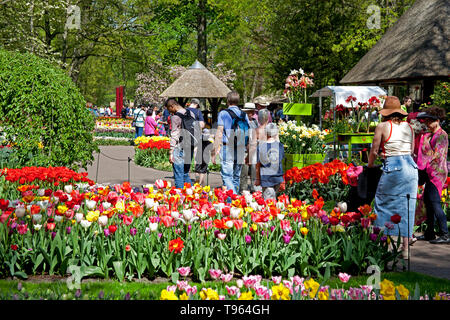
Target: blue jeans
(139,131)
(230,169)
(433,205)
(181,167)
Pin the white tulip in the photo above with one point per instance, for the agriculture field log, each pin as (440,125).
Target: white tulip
(68,188)
(43,204)
(149,203)
(280,216)
(106,205)
(102,220)
(91,204)
(175,214)
(20,211)
(41,192)
(189,192)
(342,206)
(153,226)
(235,213)
(37,227)
(37,218)
(58,218)
(188,215)
(79,216)
(229,224)
(86,224)
(280,205)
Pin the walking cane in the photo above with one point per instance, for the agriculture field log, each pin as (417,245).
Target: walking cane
(409,256)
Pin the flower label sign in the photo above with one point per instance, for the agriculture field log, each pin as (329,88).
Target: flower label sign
(297,109)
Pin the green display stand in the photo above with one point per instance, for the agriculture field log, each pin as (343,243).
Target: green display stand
(297,109)
(349,139)
(301,160)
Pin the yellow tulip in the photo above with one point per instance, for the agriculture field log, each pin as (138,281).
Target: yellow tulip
(246,296)
(404,292)
(387,289)
(168,295)
(184,296)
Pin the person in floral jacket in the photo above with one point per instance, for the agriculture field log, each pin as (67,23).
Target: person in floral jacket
(432,160)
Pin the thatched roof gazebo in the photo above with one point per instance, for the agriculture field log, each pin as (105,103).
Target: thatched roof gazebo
(414,52)
(198,82)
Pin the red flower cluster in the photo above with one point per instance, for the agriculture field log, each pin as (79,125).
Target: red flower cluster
(162,144)
(318,172)
(53,175)
(176,245)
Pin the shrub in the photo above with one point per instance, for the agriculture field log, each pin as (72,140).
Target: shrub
(43,113)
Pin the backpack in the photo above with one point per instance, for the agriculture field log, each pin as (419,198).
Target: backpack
(191,128)
(240,128)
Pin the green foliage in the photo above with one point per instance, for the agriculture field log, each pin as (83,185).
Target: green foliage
(43,113)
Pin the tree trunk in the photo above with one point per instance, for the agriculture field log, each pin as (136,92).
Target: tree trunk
(32,24)
(255,78)
(201,32)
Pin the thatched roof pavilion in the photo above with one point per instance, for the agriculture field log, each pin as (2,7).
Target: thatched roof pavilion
(414,52)
(198,82)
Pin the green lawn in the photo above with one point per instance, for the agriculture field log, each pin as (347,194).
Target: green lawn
(151,290)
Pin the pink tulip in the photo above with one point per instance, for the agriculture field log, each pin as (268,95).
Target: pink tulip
(297,280)
(215,274)
(276,280)
(172,288)
(182,285)
(344,277)
(184,271)
(191,290)
(239,283)
(221,236)
(232,291)
(226,277)
(261,291)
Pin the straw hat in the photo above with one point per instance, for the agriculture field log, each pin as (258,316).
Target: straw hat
(248,106)
(392,105)
(261,100)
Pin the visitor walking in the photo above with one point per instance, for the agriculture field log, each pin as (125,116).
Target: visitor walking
(249,166)
(406,106)
(195,106)
(399,179)
(203,157)
(432,163)
(165,120)
(150,126)
(233,133)
(161,130)
(269,166)
(138,120)
(261,103)
(181,142)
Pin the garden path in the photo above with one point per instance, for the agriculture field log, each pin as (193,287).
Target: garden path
(433,260)
(113,169)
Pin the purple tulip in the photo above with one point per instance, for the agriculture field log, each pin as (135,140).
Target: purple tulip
(68,230)
(373,237)
(120,216)
(159,235)
(329,231)
(287,238)
(272,228)
(189,228)
(78,293)
(127,296)
(133,231)
(53,235)
(383,239)
(248,239)
(325,219)
(13,225)
(216,232)
(106,232)
(101,294)
(376,230)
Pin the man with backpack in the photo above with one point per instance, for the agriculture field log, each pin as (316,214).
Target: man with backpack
(233,132)
(184,136)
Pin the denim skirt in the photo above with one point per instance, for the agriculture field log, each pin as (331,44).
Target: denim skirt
(398,181)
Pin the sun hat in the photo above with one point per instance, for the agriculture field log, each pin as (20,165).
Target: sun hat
(262,101)
(392,105)
(249,106)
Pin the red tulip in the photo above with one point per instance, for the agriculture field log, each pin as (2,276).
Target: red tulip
(396,218)
(334,221)
(112,228)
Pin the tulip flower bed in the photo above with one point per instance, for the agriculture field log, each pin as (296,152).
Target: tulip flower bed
(49,223)
(329,180)
(153,152)
(114,127)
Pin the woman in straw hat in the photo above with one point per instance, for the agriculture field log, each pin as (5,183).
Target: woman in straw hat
(397,189)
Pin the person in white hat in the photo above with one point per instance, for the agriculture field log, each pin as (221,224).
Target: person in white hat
(261,103)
